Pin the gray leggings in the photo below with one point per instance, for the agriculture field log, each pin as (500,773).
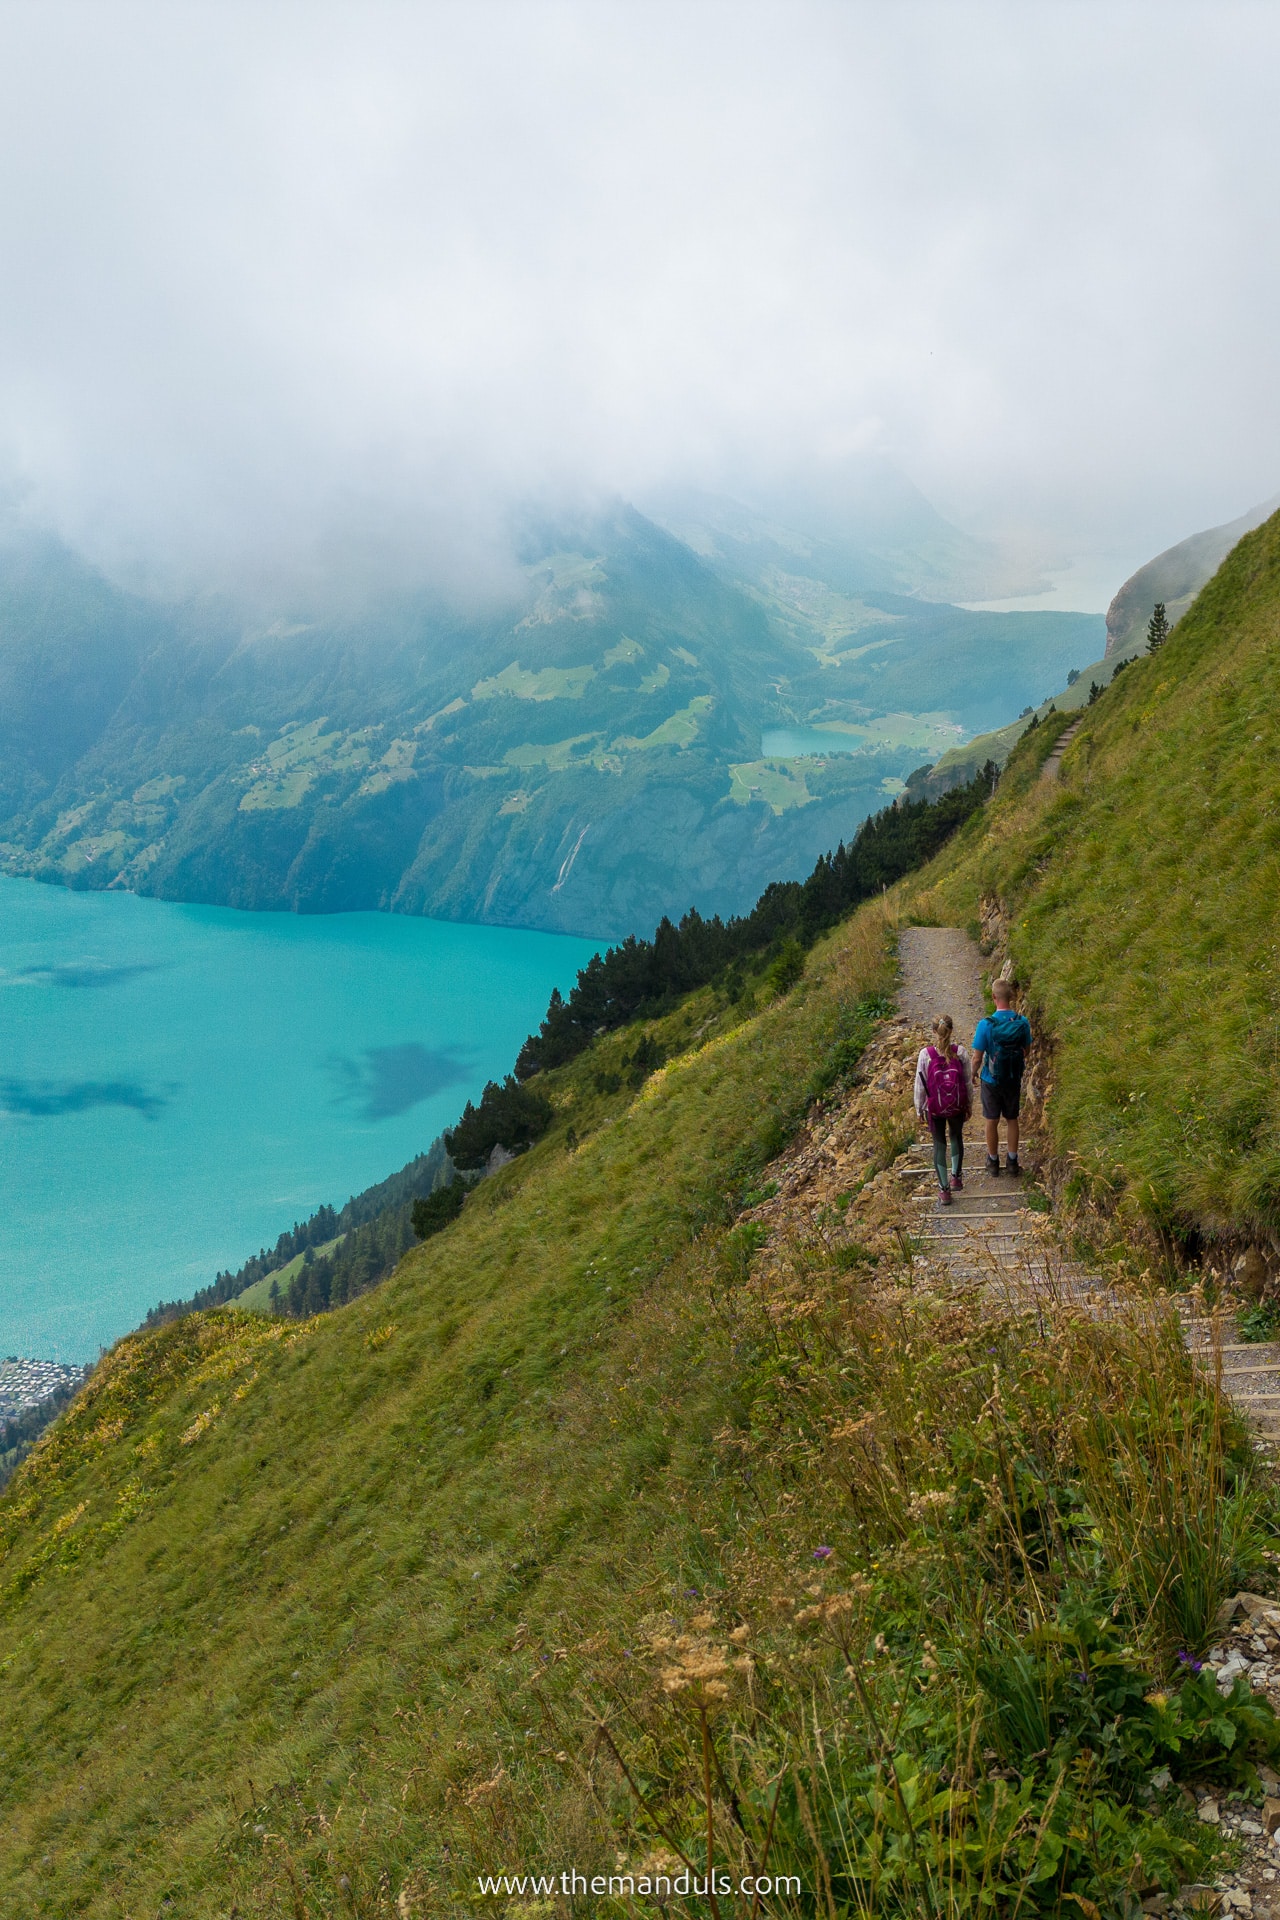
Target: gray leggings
(954,1125)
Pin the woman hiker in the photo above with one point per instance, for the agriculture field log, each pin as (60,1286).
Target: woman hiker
(943,1100)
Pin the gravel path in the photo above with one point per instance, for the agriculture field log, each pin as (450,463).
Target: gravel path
(1052,768)
(989,1235)
(941,973)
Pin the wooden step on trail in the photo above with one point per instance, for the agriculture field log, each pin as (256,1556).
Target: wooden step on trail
(988,1238)
(988,1234)
(1052,769)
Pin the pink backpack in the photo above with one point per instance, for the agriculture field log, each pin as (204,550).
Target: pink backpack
(945,1090)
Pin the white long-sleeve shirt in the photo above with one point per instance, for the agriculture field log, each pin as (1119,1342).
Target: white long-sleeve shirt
(922,1078)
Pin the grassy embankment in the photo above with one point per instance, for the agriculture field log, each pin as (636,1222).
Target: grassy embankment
(1141,894)
(522,1559)
(263,1552)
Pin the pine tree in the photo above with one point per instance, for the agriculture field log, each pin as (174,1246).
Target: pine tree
(1157,628)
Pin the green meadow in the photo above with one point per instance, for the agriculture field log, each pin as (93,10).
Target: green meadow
(1141,898)
(632,1521)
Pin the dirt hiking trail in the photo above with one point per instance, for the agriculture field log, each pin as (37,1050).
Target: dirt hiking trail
(942,973)
(991,1235)
(988,1229)
(1052,768)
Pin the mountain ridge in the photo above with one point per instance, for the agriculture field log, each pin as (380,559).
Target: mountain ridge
(1175,577)
(584,760)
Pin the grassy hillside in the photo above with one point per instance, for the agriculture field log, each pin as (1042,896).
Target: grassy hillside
(1174,577)
(1141,898)
(331,1617)
(646,1495)
(275,1553)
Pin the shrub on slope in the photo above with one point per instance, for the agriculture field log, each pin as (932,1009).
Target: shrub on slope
(1141,893)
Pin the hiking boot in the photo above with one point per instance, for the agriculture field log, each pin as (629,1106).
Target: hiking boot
(944,1196)
(1011,1164)
(957,1184)
(993,1167)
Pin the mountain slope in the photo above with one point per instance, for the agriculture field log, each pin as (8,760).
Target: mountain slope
(586,755)
(1140,896)
(304,1615)
(276,1552)
(1176,577)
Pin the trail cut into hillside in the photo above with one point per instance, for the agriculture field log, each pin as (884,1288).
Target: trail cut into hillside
(698,1500)
(991,1237)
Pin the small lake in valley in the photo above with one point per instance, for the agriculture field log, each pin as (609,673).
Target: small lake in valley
(178,1084)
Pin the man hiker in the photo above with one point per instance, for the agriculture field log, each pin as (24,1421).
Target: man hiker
(999,1050)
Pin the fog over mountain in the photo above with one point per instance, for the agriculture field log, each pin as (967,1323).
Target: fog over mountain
(272,275)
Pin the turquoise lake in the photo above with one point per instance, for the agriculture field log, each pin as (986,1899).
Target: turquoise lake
(179,1084)
(797,743)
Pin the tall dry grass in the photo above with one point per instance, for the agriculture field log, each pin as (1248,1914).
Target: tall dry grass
(971,1539)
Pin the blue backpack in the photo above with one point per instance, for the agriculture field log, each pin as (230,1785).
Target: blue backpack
(1008,1034)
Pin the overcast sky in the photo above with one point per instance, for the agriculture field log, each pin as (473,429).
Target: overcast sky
(258,260)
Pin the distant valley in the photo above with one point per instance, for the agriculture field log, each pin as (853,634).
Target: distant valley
(657,715)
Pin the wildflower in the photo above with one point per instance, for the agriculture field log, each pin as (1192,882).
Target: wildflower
(931,1505)
(1189,1661)
(823,1553)
(653,1864)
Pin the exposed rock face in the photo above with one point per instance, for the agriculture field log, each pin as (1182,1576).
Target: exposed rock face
(1251,1274)
(1176,577)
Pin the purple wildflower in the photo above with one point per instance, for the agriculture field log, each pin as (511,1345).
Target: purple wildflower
(823,1553)
(1189,1661)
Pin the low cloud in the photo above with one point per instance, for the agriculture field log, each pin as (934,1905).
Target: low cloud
(275,273)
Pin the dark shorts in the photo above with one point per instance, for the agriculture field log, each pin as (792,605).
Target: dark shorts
(1003,1102)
